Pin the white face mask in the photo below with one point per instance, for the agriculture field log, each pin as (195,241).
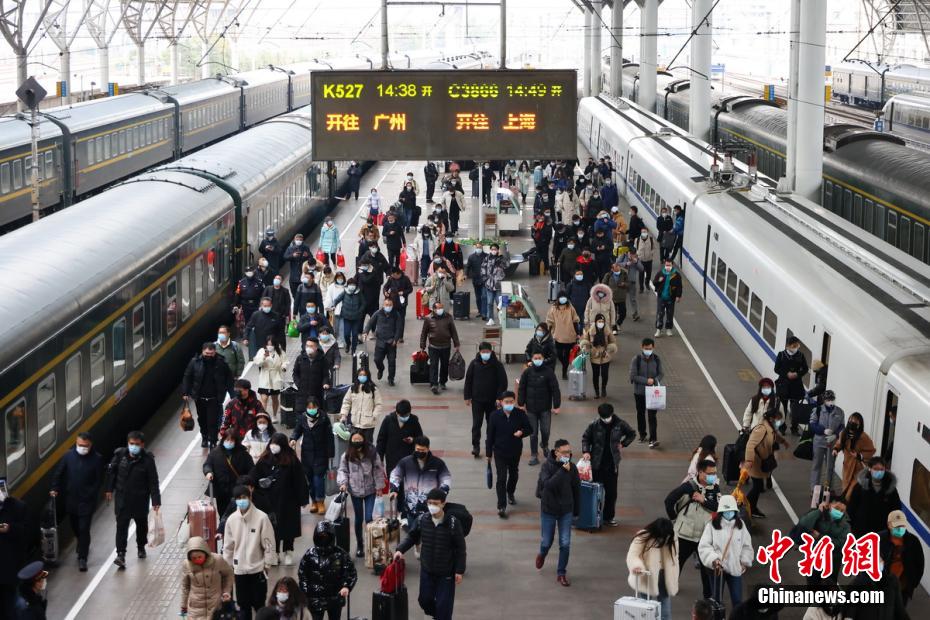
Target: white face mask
(282,597)
(275,448)
(600,324)
(433,509)
(262,427)
(83,450)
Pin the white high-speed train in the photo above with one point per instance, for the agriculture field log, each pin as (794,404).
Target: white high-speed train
(770,266)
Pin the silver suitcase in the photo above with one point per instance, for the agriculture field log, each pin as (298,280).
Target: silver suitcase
(577,380)
(635,608)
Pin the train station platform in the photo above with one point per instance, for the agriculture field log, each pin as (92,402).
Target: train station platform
(708,378)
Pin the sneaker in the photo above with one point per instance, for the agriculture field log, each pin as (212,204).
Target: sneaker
(511,499)
(658,334)
(612,522)
(120,560)
(502,513)
(490,322)
(533,462)
(82,565)
(288,558)
(669,332)
(540,560)
(435,389)
(141,553)
(380,373)
(635,317)
(653,445)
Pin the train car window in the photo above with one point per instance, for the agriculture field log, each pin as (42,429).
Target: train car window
(652,198)
(138,335)
(919,232)
(89,152)
(827,193)
(49,165)
(211,271)
(119,351)
(904,234)
(98,147)
(847,205)
(171,308)
(185,293)
(742,301)
(98,358)
(198,281)
(713,265)
(732,280)
(5,178)
(27,169)
(17,174)
(122,142)
(920,491)
(891,235)
(769,327)
(879,230)
(889,425)
(14,431)
(721,273)
(261,219)
(106,147)
(857,210)
(149,137)
(837,201)
(45,406)
(73,385)
(155,313)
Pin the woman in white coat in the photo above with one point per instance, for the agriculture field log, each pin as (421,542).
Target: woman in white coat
(726,550)
(654,553)
(334,310)
(271,362)
(361,407)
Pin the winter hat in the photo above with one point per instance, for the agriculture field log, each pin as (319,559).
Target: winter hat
(727,502)
(765,381)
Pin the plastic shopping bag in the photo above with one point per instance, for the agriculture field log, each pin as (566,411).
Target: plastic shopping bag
(584,469)
(337,507)
(340,259)
(655,397)
(156,535)
(378,511)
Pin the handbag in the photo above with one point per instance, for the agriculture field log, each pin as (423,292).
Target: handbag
(292,329)
(655,397)
(337,507)
(340,259)
(457,367)
(769,463)
(489,476)
(187,418)
(321,255)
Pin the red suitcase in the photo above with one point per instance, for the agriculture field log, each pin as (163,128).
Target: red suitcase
(203,520)
(422,308)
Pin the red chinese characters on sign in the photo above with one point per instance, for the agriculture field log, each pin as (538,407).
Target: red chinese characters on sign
(342,122)
(860,555)
(817,556)
(525,121)
(466,121)
(771,554)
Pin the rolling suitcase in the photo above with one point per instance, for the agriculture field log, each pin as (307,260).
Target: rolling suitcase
(535,263)
(378,545)
(461,305)
(577,379)
(202,518)
(635,608)
(592,506)
(730,463)
(422,308)
(288,403)
(554,287)
(390,606)
(49,532)
(412,269)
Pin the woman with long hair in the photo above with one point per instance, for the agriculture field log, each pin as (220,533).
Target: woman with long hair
(361,475)
(256,440)
(857,448)
(361,407)
(271,362)
(599,342)
(280,479)
(706,450)
(726,550)
(286,602)
(653,563)
(224,464)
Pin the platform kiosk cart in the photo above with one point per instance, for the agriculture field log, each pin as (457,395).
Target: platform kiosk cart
(509,214)
(518,319)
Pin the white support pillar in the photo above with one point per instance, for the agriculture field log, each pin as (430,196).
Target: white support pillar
(596,48)
(22,74)
(385,44)
(809,103)
(205,69)
(173,50)
(103,61)
(66,75)
(699,117)
(586,79)
(648,64)
(616,49)
(140,76)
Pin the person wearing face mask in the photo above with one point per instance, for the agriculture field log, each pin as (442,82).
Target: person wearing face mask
(668,288)
(452,252)
(352,303)
(398,288)
(263,325)
(763,401)
(903,553)
(617,280)
(485,378)
(286,602)
(230,351)
(312,322)
(387,324)
(678,232)
(487,180)
(564,325)
(857,448)
(542,237)
(270,248)
(314,431)
(439,218)
(414,476)
(558,489)
(646,370)
(361,475)
(326,574)
(309,292)
(760,447)
(473,273)
(524,179)
(240,411)
(600,444)
(30,602)
(373,268)
(568,260)
(311,374)
(332,357)
(600,301)
(207,380)
(827,519)
(373,204)
(361,407)
(437,338)
(295,255)
(578,292)
(873,497)
(507,427)
(132,481)
(541,342)
(826,422)
(539,395)
(664,225)
(263,273)
(249,293)
(492,275)
(565,204)
(206,580)
(224,464)
(648,251)
(281,482)
(635,274)
(653,564)
(397,434)
(453,199)
(394,238)
(790,368)
(726,550)
(79,476)
(368,232)
(329,240)
(431,174)
(334,310)
(887,589)
(604,222)
(354,173)
(256,440)
(691,506)
(600,344)
(249,547)
(272,364)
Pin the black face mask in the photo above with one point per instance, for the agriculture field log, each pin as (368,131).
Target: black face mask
(358,445)
(421,455)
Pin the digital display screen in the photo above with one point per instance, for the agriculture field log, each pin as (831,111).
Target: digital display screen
(446,115)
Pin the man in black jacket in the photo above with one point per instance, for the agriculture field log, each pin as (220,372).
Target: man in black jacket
(132,479)
(507,427)
(280,296)
(264,323)
(540,396)
(432,175)
(249,292)
(398,431)
(558,489)
(393,234)
(296,254)
(207,379)
(442,556)
(790,368)
(904,554)
(388,327)
(79,477)
(326,574)
(473,273)
(271,249)
(601,443)
(485,379)
(415,476)
(13,524)
(399,288)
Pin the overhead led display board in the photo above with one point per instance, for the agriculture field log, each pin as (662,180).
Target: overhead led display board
(446,115)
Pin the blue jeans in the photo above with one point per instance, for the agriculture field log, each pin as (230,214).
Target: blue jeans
(316,481)
(549,523)
(480,301)
(733,582)
(664,600)
(425,262)
(490,302)
(357,509)
(437,595)
(350,330)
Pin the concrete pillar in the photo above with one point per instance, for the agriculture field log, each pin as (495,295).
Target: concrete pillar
(140,77)
(22,74)
(173,50)
(503,41)
(385,51)
(596,48)
(699,115)
(616,49)
(586,79)
(808,120)
(103,61)
(66,75)
(206,70)
(649,25)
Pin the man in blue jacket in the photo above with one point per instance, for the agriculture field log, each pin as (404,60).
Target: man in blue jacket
(79,477)
(506,429)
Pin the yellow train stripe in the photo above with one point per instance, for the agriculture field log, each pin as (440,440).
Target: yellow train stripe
(851,188)
(126,155)
(55,361)
(24,190)
(122,127)
(26,154)
(51,459)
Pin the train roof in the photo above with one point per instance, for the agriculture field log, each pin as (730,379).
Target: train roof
(259,77)
(106,111)
(77,257)
(198,90)
(910,71)
(911,102)
(16,131)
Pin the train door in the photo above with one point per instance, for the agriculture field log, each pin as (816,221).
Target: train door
(889,424)
(710,261)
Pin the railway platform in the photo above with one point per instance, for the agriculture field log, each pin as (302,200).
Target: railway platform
(708,378)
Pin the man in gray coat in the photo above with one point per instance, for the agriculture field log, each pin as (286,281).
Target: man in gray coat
(388,327)
(646,371)
(827,422)
(634,267)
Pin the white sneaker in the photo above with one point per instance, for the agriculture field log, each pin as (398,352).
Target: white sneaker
(490,322)
(275,559)
(658,334)
(288,559)
(669,332)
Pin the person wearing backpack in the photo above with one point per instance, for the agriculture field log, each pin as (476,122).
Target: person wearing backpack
(442,556)
(691,506)
(726,550)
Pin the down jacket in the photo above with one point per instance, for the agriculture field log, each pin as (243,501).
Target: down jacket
(599,354)
(869,507)
(415,482)
(739,552)
(657,562)
(324,571)
(561,321)
(363,477)
(603,306)
(202,586)
(361,409)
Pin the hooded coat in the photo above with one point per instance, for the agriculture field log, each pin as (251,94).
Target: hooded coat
(287,493)
(325,569)
(600,354)
(869,506)
(203,585)
(604,306)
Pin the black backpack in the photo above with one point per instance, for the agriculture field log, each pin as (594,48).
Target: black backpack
(461,515)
